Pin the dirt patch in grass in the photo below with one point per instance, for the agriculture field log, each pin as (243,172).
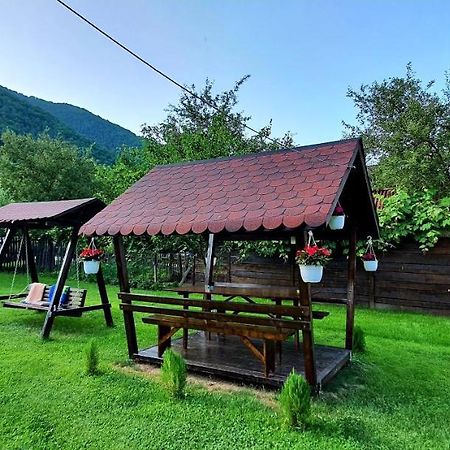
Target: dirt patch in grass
(211,384)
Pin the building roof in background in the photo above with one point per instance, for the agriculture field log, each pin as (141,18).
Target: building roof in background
(52,213)
(379,195)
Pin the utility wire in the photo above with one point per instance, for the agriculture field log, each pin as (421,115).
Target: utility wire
(167,77)
(152,67)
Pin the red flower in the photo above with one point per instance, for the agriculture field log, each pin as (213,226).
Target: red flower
(338,211)
(91,254)
(311,250)
(369,257)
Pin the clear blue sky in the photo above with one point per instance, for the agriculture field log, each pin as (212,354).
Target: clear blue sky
(301,55)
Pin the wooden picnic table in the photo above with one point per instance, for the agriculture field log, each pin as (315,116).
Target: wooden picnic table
(278,294)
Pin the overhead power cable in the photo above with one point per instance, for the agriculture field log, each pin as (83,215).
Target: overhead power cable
(152,67)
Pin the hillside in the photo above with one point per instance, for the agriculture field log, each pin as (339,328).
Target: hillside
(32,115)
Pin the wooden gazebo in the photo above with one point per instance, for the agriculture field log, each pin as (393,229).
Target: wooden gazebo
(20,218)
(276,195)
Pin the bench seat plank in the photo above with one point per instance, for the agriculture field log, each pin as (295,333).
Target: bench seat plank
(214,326)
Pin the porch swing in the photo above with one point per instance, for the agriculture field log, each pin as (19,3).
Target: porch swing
(38,296)
(57,300)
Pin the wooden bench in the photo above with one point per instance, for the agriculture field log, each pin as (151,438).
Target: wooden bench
(277,294)
(75,300)
(269,323)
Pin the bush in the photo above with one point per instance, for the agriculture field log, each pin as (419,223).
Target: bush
(359,340)
(92,358)
(295,400)
(173,373)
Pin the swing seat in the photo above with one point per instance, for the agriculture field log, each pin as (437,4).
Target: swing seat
(75,300)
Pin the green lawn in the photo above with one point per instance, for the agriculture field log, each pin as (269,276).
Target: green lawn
(396,396)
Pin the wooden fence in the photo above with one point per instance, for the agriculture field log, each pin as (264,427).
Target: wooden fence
(160,268)
(406,279)
(47,252)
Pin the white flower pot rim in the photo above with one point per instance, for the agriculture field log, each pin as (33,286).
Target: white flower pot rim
(311,273)
(337,222)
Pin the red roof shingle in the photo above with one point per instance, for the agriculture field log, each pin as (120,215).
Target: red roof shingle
(286,188)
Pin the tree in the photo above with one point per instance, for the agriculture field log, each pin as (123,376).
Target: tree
(42,168)
(405,125)
(194,129)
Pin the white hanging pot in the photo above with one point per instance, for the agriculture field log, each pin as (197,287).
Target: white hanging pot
(337,222)
(371,266)
(91,267)
(311,274)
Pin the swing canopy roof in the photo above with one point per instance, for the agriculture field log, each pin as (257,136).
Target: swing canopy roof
(266,195)
(61,213)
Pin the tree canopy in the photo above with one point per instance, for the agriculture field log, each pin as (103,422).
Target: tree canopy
(405,124)
(43,168)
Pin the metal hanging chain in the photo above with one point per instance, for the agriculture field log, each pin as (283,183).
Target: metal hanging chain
(92,245)
(311,239)
(369,248)
(26,263)
(15,270)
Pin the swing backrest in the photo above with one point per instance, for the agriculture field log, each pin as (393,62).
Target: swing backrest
(75,297)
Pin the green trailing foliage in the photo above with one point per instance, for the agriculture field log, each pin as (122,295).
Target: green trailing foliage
(92,358)
(359,340)
(174,374)
(421,216)
(295,401)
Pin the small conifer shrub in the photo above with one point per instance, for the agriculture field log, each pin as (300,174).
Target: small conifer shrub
(295,401)
(92,358)
(173,374)
(359,340)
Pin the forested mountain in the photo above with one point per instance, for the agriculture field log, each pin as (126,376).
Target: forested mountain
(31,115)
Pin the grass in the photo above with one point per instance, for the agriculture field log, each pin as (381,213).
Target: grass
(395,396)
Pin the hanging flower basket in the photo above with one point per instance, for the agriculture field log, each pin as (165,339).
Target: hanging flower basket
(91,257)
(369,258)
(91,267)
(311,260)
(311,274)
(370,262)
(337,220)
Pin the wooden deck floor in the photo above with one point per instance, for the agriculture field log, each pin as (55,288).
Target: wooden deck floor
(226,357)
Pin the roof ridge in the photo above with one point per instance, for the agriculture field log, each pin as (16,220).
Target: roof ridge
(262,153)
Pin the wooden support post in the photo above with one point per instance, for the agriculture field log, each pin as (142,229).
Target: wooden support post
(164,339)
(307,334)
(6,243)
(269,356)
(209,263)
(155,268)
(185,330)
(295,281)
(209,270)
(122,273)
(62,277)
(351,290)
(30,257)
(371,289)
(104,298)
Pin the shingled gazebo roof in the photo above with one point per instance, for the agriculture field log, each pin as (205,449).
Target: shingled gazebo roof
(280,190)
